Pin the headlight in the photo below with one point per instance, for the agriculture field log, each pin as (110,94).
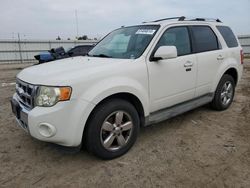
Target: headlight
(49,96)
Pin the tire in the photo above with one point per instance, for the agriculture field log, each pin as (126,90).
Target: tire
(112,129)
(224,93)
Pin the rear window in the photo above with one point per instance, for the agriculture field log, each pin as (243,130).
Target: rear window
(204,39)
(228,36)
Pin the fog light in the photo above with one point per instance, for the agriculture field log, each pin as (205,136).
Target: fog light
(46,130)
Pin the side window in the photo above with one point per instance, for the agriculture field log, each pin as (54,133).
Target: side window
(228,36)
(85,49)
(82,50)
(204,39)
(76,50)
(176,36)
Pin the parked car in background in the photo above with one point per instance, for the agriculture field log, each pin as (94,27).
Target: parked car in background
(60,53)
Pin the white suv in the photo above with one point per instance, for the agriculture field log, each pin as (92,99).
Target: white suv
(135,76)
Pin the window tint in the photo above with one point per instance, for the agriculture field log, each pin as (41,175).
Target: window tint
(204,39)
(228,36)
(177,36)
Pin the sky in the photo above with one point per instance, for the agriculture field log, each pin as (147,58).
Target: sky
(47,19)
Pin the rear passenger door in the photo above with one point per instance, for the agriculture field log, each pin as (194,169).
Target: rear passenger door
(209,56)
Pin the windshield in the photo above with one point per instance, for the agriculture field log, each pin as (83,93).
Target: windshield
(68,49)
(125,43)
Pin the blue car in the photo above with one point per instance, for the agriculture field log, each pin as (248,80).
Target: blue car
(44,57)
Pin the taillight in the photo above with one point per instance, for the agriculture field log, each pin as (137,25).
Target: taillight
(241,57)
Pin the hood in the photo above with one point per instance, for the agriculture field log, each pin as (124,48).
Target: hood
(64,71)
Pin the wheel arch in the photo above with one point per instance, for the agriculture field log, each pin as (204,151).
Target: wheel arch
(131,98)
(231,70)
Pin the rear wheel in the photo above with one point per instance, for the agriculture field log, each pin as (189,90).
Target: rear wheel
(112,129)
(224,93)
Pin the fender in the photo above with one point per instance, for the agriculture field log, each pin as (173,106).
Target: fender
(102,89)
(114,85)
(227,64)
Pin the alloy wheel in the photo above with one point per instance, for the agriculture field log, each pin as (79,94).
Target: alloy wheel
(116,130)
(227,93)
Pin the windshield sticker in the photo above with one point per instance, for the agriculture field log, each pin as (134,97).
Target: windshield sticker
(145,31)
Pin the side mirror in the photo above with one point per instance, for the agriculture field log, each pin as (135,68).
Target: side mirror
(165,52)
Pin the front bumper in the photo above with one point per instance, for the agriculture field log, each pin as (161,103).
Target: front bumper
(21,113)
(61,124)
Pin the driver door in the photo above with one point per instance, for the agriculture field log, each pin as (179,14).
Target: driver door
(172,81)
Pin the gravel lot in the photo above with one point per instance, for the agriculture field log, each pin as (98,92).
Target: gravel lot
(201,148)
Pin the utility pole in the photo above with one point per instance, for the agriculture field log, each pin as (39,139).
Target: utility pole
(76,23)
(20,49)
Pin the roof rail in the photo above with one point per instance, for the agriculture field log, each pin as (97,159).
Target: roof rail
(183,18)
(206,19)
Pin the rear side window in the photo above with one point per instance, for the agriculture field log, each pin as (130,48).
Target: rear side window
(204,39)
(228,36)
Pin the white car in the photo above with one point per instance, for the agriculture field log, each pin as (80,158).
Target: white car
(135,76)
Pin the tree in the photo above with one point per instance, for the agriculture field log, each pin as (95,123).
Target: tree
(84,37)
(58,38)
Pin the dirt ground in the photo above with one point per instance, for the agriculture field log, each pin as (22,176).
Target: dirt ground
(201,148)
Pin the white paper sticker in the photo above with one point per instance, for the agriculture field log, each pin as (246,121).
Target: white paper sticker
(145,31)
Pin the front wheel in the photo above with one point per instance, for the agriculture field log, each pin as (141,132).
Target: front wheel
(112,129)
(224,93)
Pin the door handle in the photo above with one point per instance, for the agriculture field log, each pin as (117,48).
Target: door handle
(188,64)
(220,57)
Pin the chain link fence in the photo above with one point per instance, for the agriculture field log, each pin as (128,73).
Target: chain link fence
(23,51)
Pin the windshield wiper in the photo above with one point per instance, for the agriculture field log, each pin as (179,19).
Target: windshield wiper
(102,55)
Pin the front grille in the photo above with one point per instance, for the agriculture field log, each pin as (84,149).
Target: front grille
(25,92)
